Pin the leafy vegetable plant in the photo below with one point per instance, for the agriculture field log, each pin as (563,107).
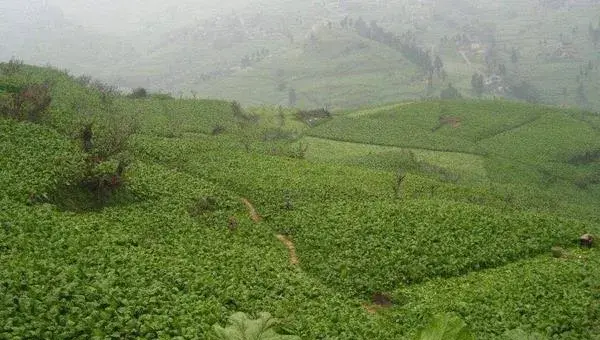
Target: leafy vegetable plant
(242,327)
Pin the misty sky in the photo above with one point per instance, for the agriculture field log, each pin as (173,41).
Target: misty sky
(116,16)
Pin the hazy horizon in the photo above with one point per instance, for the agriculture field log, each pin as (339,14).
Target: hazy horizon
(223,48)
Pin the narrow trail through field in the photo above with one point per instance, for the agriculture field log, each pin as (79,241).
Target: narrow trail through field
(254,216)
(290,246)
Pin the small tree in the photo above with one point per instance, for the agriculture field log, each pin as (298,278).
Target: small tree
(525,91)
(292,97)
(438,65)
(582,99)
(105,142)
(399,185)
(514,57)
(477,84)
(450,93)
(237,110)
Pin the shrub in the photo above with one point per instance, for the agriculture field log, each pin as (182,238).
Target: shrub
(29,103)
(162,96)
(450,93)
(217,130)
(525,91)
(202,206)
(105,144)
(299,151)
(84,80)
(104,178)
(313,117)
(139,93)
(237,110)
(12,67)
(107,92)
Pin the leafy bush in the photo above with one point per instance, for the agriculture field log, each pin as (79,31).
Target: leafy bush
(450,93)
(138,93)
(103,178)
(203,206)
(162,96)
(84,80)
(107,92)
(28,103)
(14,66)
(217,130)
(525,91)
(105,143)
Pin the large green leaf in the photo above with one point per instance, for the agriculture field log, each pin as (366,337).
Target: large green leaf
(446,327)
(241,327)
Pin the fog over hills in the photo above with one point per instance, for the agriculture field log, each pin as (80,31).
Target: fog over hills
(325,52)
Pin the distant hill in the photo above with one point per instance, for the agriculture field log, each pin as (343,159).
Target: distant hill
(41,34)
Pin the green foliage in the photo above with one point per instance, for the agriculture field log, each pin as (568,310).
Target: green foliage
(519,334)
(242,327)
(162,96)
(13,66)
(445,327)
(202,206)
(523,294)
(35,160)
(160,262)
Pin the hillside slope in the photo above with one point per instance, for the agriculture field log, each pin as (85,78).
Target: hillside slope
(203,222)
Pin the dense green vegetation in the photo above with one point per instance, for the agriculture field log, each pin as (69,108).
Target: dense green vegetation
(396,217)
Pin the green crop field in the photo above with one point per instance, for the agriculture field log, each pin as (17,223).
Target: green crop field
(156,217)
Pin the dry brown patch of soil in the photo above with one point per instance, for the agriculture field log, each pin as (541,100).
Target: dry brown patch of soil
(378,302)
(455,122)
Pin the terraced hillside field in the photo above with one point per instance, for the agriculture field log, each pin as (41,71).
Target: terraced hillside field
(332,240)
